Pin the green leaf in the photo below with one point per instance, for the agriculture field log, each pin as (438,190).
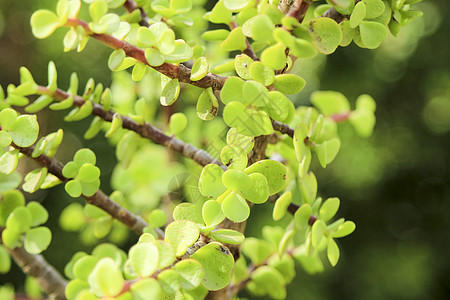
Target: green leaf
(24,131)
(363,121)
(181,6)
(169,281)
(344,229)
(274,171)
(199,69)
(242,64)
(157,218)
(39,104)
(44,23)
(5,139)
(145,37)
(274,56)
(98,9)
(227,236)
(235,208)
(247,121)
(261,28)
(207,105)
(235,5)
(289,83)
(8,162)
(374,8)
(257,250)
(210,256)
(327,151)
(106,278)
(144,259)
(366,102)
(19,220)
(10,201)
(330,102)
(37,239)
(326,34)
(215,35)
(220,14)
(170,92)
(166,253)
(107,24)
(212,213)
(7,118)
(358,14)
(270,280)
(372,33)
(5,260)
(232,90)
(9,182)
(258,191)
(332,252)
(255,94)
(80,113)
(88,173)
(301,217)
(147,288)
(278,106)
(259,72)
(116,59)
(181,235)
(11,238)
(183,52)
(210,182)
(166,42)
(308,187)
(281,205)
(329,209)
(235,41)
(177,123)
(73,188)
(153,57)
(236,180)
(347,33)
(190,272)
(318,229)
(138,72)
(75,287)
(34,180)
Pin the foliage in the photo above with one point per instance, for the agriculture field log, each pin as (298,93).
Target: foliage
(194,248)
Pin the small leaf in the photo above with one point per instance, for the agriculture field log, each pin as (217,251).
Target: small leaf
(144,259)
(170,92)
(242,65)
(24,131)
(147,288)
(258,191)
(5,260)
(212,213)
(235,5)
(199,69)
(19,220)
(329,208)
(281,205)
(220,14)
(181,235)
(236,180)
(235,208)
(227,236)
(332,252)
(44,23)
(327,151)
(330,102)
(37,239)
(358,14)
(210,182)
(232,90)
(169,281)
(106,278)
(207,105)
(372,33)
(73,188)
(153,57)
(157,218)
(261,28)
(210,256)
(190,272)
(235,41)
(275,173)
(177,123)
(344,229)
(116,59)
(301,217)
(289,83)
(34,180)
(308,187)
(274,56)
(326,34)
(318,229)
(10,200)
(88,173)
(259,72)
(8,162)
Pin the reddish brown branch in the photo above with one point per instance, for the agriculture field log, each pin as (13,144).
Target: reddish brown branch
(283,128)
(173,71)
(35,265)
(99,199)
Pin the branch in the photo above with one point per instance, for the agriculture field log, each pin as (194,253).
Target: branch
(181,72)
(99,199)
(298,9)
(145,130)
(130,6)
(35,265)
(283,128)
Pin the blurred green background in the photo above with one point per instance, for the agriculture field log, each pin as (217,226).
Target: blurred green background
(394,185)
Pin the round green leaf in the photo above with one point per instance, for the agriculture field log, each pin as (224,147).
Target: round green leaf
(358,14)
(157,218)
(5,139)
(212,213)
(215,35)
(301,216)
(227,236)
(181,235)
(10,201)
(232,89)
(44,23)
(330,102)
(19,220)
(261,28)
(207,105)
(332,252)
(235,208)
(210,182)
(259,72)
(274,171)
(106,278)
(166,253)
(308,187)
(177,123)
(88,173)
(170,92)
(169,281)
(5,260)
(281,205)
(344,229)
(329,208)
(75,287)
(84,266)
(24,131)
(39,214)
(166,42)
(274,56)
(236,180)
(84,156)
(289,83)
(242,64)
(257,250)
(220,14)
(144,259)
(326,34)
(210,256)
(270,280)
(153,57)
(258,191)
(147,288)
(190,273)
(372,33)
(199,69)
(11,238)
(73,188)
(235,5)
(327,151)
(37,239)
(318,229)
(236,40)
(8,162)
(374,8)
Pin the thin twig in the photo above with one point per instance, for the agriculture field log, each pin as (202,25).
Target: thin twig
(99,199)
(183,74)
(35,265)
(283,128)
(145,130)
